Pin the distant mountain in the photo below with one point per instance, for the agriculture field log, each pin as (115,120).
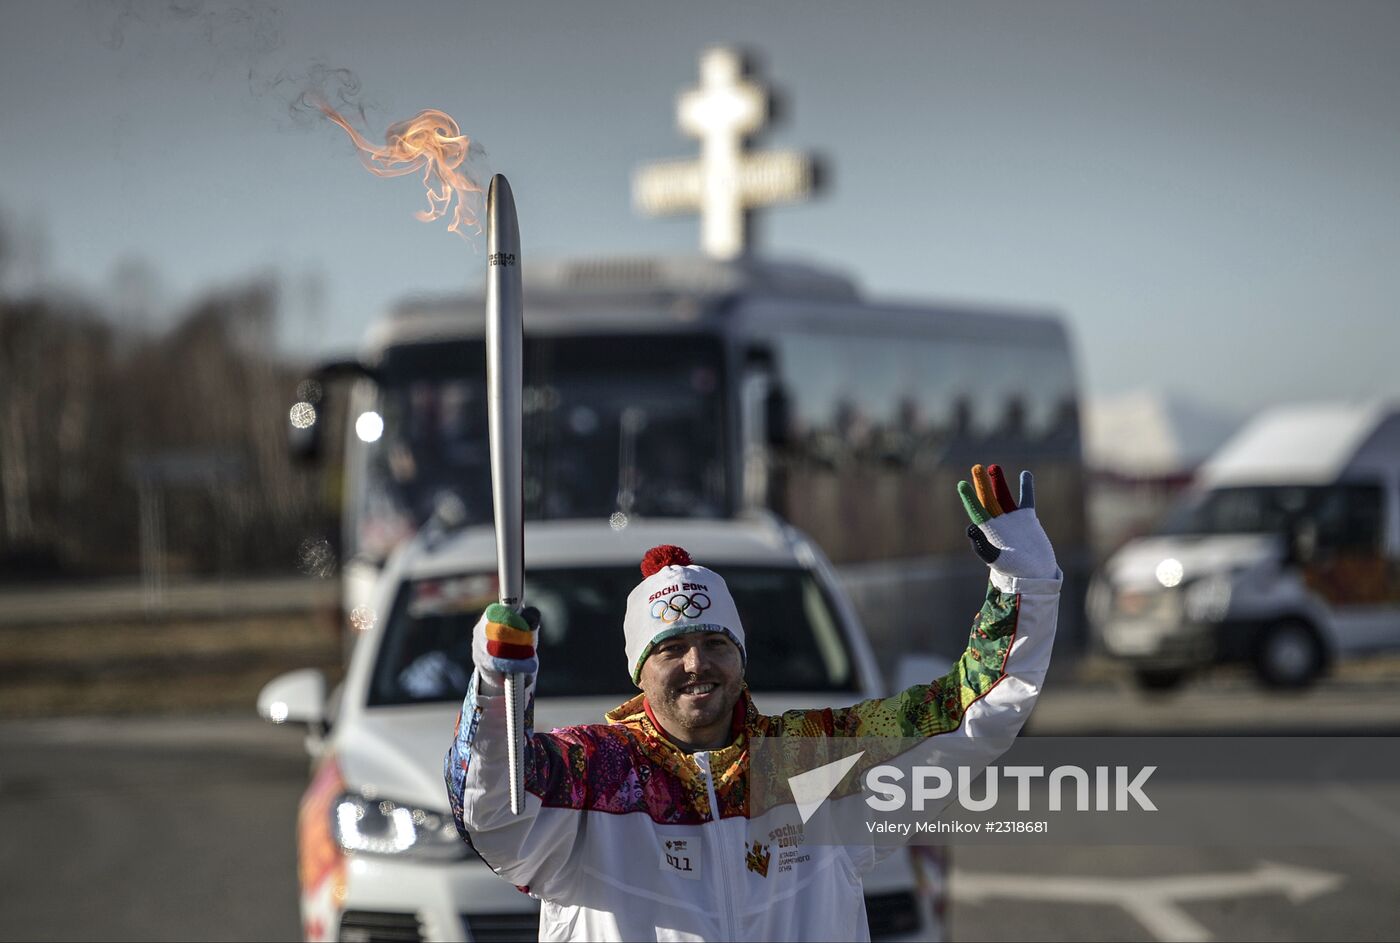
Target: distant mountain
(1145,434)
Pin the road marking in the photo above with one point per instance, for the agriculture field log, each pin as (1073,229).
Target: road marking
(1366,809)
(1151,901)
(1166,921)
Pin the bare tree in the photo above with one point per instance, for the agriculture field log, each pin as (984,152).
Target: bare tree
(93,417)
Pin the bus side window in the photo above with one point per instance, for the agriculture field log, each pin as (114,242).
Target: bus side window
(777,417)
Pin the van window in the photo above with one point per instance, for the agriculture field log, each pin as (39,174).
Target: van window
(1347,516)
(794,638)
(1349,519)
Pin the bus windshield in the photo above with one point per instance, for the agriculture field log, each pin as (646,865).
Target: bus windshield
(795,642)
(629,423)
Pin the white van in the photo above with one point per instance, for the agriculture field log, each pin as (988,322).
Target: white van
(379,856)
(1284,554)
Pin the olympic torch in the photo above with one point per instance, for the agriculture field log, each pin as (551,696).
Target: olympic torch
(505,390)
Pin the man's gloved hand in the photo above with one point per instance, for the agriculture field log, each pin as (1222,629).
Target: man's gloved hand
(1006,533)
(504,641)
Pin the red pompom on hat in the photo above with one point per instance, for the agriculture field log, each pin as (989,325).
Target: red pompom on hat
(664,555)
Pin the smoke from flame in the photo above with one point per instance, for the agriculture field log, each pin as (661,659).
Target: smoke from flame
(430,142)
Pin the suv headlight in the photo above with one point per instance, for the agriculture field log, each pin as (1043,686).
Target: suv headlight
(383,827)
(1099,602)
(1208,599)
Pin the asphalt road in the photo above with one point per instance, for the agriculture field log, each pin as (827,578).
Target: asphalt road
(1221,704)
(1167,893)
(149,829)
(182,829)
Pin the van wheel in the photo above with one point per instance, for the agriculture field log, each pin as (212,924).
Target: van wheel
(1289,654)
(1160,679)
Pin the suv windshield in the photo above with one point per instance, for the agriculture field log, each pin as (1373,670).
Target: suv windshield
(794,640)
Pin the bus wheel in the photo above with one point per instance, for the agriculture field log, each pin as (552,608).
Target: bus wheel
(1160,679)
(1289,654)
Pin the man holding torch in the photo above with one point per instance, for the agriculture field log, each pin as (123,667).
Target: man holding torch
(670,768)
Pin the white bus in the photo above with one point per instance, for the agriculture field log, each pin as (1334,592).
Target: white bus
(686,387)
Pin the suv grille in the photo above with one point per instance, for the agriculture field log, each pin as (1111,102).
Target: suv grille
(366,926)
(889,915)
(503,928)
(892,914)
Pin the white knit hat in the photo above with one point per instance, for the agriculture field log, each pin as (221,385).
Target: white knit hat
(674,598)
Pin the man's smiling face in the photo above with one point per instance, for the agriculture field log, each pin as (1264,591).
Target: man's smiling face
(692,683)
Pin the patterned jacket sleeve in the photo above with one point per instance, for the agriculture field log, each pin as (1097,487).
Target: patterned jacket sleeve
(531,850)
(971,715)
(988,693)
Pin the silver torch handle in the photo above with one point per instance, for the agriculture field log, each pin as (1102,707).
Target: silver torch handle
(505,391)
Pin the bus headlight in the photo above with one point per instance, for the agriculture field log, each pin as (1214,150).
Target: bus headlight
(369,426)
(383,827)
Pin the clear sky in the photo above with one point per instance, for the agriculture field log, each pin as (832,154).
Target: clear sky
(1210,192)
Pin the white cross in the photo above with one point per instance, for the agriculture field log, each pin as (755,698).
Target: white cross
(726,182)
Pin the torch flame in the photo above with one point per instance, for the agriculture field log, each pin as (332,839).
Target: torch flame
(431,142)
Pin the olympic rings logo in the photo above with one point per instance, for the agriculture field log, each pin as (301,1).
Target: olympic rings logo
(669,610)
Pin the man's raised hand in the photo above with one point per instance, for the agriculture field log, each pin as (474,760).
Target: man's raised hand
(1005,532)
(504,642)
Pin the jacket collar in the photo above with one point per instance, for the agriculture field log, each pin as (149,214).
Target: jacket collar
(728,766)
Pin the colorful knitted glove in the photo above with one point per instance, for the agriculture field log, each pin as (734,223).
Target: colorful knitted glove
(1006,533)
(503,641)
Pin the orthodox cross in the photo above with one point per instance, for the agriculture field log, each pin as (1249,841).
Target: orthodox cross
(726,183)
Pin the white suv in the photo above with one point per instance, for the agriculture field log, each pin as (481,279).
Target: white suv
(380,858)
